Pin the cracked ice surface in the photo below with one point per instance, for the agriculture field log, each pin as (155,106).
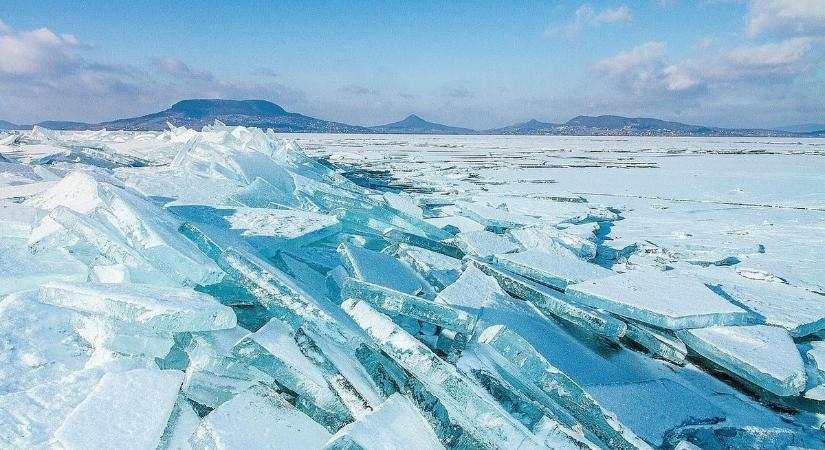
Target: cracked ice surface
(227,288)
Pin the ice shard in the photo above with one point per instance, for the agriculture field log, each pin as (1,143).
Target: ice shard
(21,268)
(155,308)
(438,269)
(660,299)
(277,424)
(557,269)
(531,365)
(444,248)
(761,354)
(657,343)
(396,423)
(127,410)
(394,302)
(484,243)
(381,269)
(552,302)
(549,239)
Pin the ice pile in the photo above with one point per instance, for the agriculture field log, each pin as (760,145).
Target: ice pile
(220,289)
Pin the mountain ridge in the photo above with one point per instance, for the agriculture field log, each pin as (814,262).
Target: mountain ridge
(196,113)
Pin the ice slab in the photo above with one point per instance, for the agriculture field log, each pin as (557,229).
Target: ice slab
(396,423)
(482,418)
(21,268)
(127,410)
(557,269)
(38,342)
(659,299)
(557,304)
(258,418)
(761,354)
(548,239)
(799,311)
(438,269)
(422,242)
(657,343)
(395,302)
(182,424)
(524,360)
(381,269)
(264,229)
(152,307)
(492,217)
(484,243)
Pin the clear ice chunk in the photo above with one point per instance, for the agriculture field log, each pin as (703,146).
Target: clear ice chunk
(761,354)
(182,424)
(484,243)
(396,423)
(155,308)
(438,269)
(492,217)
(258,418)
(382,269)
(557,304)
(557,269)
(659,299)
(523,359)
(657,343)
(126,410)
(21,268)
(395,302)
(444,248)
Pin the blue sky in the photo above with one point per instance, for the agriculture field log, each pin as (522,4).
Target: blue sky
(478,64)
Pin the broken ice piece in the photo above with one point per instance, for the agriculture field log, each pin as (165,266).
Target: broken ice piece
(126,410)
(182,424)
(480,417)
(484,243)
(548,239)
(535,369)
(659,299)
(396,423)
(761,354)
(381,269)
(438,269)
(155,308)
(555,269)
(274,351)
(21,269)
(550,301)
(657,343)
(419,241)
(492,217)
(394,302)
(258,418)
(122,337)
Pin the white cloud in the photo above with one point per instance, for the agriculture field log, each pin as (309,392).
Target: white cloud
(36,51)
(586,16)
(786,16)
(4,29)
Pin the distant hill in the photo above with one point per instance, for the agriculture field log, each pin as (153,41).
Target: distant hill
(252,113)
(8,125)
(803,128)
(530,127)
(416,125)
(634,123)
(64,125)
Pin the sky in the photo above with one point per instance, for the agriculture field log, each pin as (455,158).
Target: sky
(479,64)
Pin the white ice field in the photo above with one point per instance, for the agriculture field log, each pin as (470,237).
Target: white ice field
(239,289)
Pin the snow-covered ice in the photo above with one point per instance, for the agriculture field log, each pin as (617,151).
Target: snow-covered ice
(228,288)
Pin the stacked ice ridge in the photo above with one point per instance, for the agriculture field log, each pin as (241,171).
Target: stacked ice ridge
(220,289)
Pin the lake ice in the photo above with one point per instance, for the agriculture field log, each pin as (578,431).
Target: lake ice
(237,288)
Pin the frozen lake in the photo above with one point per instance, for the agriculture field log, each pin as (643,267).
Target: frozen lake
(226,286)
(761,200)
